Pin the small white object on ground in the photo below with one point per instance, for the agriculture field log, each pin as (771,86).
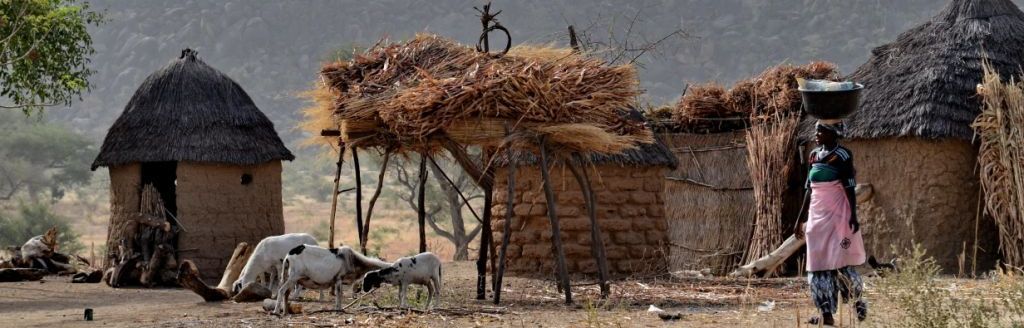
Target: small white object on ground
(766,306)
(655,309)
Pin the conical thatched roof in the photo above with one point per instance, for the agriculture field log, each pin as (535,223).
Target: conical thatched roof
(189,111)
(923,84)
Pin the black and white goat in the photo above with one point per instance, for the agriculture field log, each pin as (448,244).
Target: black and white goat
(319,268)
(266,259)
(421,269)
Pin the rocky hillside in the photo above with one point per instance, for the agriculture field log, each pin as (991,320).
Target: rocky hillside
(274,48)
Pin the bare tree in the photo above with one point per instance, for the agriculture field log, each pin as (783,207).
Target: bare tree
(619,39)
(442,200)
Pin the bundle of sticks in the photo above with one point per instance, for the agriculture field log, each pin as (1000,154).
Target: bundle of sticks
(417,89)
(146,246)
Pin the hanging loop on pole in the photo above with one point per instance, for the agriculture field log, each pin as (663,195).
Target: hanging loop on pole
(489,24)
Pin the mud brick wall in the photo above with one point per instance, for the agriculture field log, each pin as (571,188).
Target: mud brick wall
(926,192)
(630,213)
(125,190)
(219,212)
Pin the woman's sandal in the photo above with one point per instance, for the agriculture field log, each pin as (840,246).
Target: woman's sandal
(862,310)
(828,321)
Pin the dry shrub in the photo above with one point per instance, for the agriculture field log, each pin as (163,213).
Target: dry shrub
(917,296)
(418,89)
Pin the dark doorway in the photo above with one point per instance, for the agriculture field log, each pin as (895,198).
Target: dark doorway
(162,175)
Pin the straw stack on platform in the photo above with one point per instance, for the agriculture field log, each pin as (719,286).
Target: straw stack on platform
(432,87)
(709,108)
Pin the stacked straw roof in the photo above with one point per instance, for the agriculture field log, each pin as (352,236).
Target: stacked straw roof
(708,108)
(409,94)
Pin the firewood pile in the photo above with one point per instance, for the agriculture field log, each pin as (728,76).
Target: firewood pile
(39,257)
(146,251)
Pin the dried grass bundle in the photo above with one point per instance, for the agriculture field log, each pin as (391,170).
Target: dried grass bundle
(777,89)
(703,101)
(1000,128)
(420,88)
(318,116)
(704,108)
(770,146)
(707,108)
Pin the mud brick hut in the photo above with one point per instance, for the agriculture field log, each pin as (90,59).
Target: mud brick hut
(194,134)
(912,137)
(631,213)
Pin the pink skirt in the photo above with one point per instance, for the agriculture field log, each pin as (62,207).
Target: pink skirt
(831,243)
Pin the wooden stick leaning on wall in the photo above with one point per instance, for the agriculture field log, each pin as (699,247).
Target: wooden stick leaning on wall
(334,192)
(487,249)
(421,206)
(556,236)
(359,197)
(506,229)
(485,180)
(373,199)
(597,246)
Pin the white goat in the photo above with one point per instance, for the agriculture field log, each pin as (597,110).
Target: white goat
(421,269)
(316,267)
(266,259)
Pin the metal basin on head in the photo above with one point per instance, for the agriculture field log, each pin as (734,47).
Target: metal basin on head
(831,105)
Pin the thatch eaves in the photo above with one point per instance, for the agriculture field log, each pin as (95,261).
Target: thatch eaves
(643,155)
(189,111)
(923,84)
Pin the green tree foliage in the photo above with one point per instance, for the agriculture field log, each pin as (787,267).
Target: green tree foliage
(44,49)
(31,220)
(40,158)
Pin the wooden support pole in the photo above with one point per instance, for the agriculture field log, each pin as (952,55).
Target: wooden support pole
(373,199)
(597,248)
(334,192)
(556,235)
(485,244)
(421,206)
(506,230)
(359,197)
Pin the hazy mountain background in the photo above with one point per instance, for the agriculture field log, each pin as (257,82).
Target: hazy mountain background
(274,48)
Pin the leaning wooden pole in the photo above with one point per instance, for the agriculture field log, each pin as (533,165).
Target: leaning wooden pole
(556,235)
(421,207)
(597,248)
(373,199)
(506,229)
(359,196)
(335,191)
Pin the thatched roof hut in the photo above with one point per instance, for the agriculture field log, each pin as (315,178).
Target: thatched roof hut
(911,137)
(197,137)
(189,111)
(923,84)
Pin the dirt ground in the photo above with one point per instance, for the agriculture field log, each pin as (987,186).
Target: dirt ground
(715,302)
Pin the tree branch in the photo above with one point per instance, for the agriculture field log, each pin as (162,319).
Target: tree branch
(437,229)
